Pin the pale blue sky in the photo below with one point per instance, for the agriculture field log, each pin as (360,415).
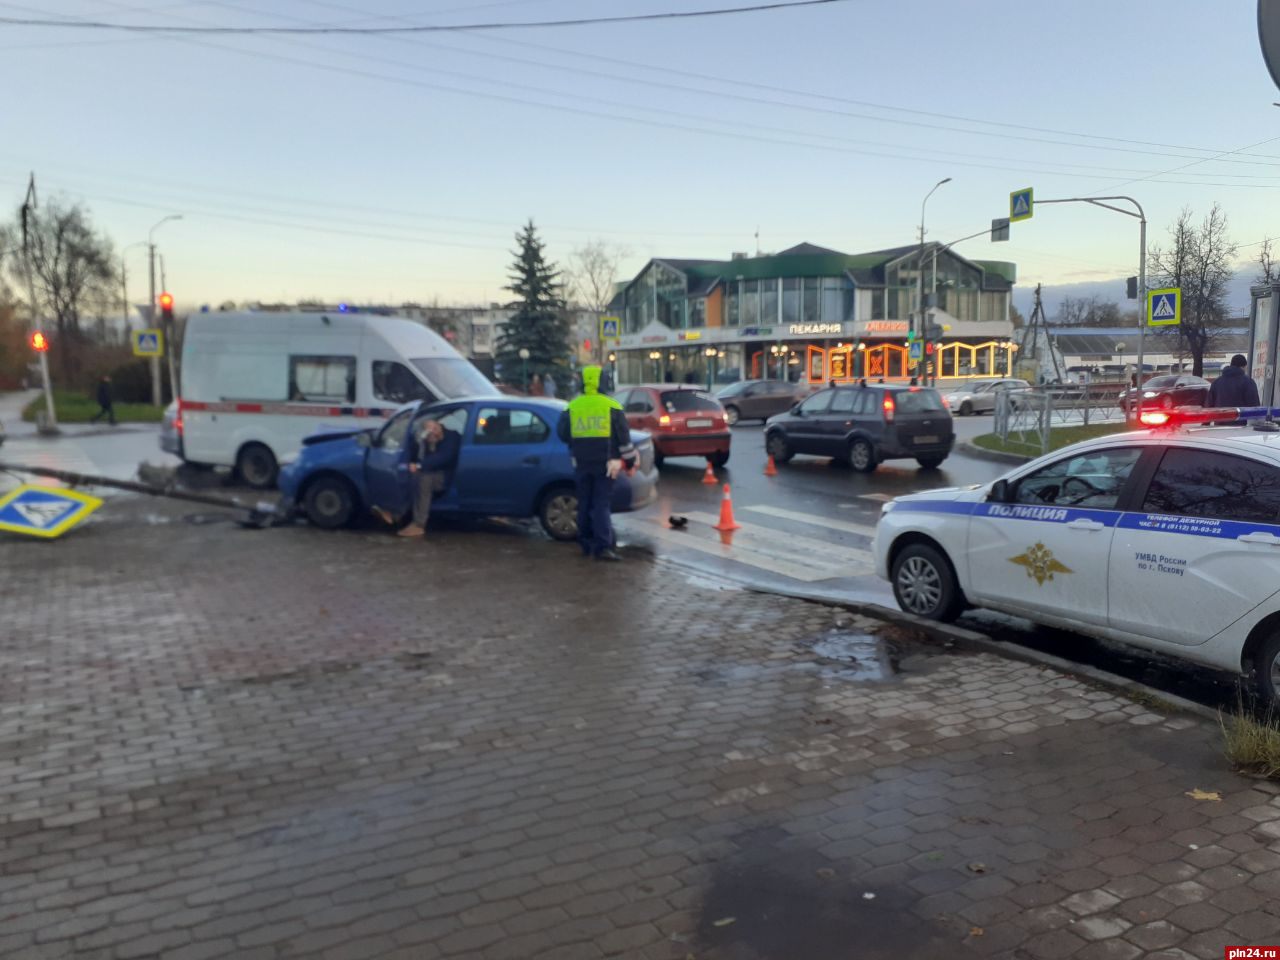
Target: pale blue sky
(398,168)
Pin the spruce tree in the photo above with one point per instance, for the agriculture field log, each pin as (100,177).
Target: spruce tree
(539,324)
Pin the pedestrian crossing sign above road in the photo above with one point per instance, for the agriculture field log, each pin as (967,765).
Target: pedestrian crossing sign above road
(1164,307)
(44,511)
(1021,205)
(148,343)
(610,328)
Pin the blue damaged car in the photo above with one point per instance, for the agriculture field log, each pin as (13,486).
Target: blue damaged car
(511,464)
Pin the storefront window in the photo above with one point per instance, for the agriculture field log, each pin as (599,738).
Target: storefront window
(750,303)
(768,302)
(731,300)
(698,312)
(791,300)
(877,305)
(809,306)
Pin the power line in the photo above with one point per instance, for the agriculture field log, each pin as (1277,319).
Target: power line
(415,28)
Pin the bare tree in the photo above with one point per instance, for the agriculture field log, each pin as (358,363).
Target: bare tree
(1268,272)
(1199,261)
(593,272)
(74,268)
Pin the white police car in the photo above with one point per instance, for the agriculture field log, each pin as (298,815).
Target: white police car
(1166,538)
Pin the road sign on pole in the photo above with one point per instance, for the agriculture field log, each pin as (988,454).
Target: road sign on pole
(999,229)
(148,343)
(916,351)
(1021,204)
(1164,307)
(44,511)
(610,328)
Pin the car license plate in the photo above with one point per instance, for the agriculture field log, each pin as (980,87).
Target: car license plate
(927,439)
(698,423)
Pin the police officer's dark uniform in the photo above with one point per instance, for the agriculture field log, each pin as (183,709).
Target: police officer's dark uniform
(596,430)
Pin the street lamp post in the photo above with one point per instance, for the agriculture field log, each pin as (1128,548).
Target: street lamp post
(656,357)
(711,362)
(920,316)
(156,395)
(524,369)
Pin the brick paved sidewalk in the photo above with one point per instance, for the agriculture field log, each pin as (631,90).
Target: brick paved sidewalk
(271,744)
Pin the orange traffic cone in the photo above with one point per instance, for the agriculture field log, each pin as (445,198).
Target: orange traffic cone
(710,476)
(769,469)
(726,513)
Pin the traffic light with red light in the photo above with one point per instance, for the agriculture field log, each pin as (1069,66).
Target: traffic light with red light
(39,342)
(166,307)
(928,348)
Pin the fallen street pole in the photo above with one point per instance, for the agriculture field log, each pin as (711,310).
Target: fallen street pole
(261,514)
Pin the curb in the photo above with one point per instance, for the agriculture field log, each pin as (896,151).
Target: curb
(981,643)
(994,455)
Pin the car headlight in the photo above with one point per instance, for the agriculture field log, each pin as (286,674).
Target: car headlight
(1150,394)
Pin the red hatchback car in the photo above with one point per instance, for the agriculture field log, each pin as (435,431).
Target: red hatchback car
(683,421)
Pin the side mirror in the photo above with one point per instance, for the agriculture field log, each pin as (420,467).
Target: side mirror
(999,492)
(796,411)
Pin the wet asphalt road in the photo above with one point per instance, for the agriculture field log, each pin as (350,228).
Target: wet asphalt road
(821,489)
(837,501)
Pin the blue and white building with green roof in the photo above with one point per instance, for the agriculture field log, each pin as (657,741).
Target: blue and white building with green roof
(812,314)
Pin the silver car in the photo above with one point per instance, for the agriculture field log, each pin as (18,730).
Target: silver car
(979,396)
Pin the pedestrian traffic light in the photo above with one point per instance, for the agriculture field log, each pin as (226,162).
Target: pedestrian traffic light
(166,307)
(911,335)
(928,348)
(39,342)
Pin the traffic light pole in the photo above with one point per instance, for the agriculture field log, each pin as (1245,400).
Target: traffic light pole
(28,216)
(156,396)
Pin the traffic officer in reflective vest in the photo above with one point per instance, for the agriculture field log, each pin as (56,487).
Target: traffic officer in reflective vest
(596,430)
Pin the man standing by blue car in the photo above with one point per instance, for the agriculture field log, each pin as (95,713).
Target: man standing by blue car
(599,440)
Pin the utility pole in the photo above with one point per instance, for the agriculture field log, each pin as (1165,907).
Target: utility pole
(28,225)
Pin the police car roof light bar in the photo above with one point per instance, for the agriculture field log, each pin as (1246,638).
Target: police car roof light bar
(1184,416)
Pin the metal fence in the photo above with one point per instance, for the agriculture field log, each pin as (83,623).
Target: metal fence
(1026,417)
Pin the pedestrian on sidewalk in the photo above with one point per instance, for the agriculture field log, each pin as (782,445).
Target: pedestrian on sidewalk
(1234,388)
(104,402)
(599,440)
(549,386)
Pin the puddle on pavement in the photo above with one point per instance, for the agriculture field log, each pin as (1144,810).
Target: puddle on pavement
(775,899)
(859,656)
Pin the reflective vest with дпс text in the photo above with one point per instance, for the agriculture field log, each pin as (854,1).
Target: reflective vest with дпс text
(590,427)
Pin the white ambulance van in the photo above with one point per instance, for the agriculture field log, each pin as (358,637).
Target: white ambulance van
(254,384)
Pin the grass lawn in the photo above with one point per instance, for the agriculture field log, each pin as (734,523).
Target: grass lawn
(1058,437)
(74,407)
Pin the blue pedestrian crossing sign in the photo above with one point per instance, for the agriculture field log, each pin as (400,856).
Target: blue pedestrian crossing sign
(610,328)
(44,511)
(915,352)
(1021,205)
(148,343)
(1164,307)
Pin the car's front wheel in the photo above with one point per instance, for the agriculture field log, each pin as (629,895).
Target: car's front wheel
(924,583)
(966,409)
(776,446)
(558,514)
(731,415)
(329,503)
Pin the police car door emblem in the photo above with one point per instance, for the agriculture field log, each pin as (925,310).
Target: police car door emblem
(1040,564)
